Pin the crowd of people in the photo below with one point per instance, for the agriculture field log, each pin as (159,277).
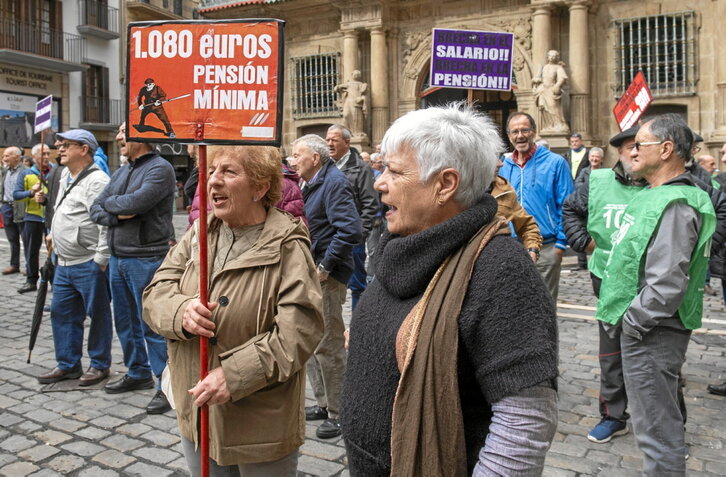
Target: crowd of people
(447,368)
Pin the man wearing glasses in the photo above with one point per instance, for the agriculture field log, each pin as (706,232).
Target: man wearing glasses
(543,181)
(80,286)
(652,287)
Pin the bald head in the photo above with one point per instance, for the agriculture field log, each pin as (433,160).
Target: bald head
(12,156)
(708,162)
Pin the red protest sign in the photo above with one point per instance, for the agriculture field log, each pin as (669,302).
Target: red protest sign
(633,103)
(206,81)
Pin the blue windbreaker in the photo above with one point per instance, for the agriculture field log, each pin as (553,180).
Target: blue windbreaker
(542,186)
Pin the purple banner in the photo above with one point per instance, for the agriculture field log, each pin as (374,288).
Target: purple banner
(471,59)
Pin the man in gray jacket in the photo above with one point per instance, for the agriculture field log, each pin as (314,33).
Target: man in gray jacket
(137,208)
(80,286)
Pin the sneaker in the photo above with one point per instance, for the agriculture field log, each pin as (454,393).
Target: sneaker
(606,430)
(315,413)
(328,429)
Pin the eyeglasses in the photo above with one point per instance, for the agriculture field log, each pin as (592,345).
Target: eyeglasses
(517,132)
(66,145)
(638,145)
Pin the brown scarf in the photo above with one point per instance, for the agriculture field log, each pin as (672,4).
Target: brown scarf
(427,431)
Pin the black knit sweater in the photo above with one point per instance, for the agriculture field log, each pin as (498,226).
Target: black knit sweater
(507,333)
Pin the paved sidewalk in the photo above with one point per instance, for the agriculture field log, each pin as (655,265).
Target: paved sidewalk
(91,433)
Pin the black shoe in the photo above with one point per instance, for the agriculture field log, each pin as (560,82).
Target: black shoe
(328,429)
(315,413)
(28,287)
(719,389)
(128,383)
(159,404)
(58,374)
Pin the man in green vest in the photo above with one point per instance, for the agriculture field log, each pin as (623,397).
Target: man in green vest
(652,287)
(590,216)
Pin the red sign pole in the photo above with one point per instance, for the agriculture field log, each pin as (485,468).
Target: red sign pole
(204,298)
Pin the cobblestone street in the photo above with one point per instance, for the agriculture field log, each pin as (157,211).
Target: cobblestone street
(91,433)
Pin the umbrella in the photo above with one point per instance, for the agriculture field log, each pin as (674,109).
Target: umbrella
(46,276)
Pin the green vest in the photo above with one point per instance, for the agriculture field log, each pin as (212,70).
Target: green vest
(605,207)
(621,280)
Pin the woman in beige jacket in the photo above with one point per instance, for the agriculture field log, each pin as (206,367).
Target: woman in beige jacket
(263,322)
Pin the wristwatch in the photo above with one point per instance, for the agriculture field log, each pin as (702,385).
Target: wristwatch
(322,269)
(535,251)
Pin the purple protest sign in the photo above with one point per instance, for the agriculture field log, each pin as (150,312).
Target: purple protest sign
(472,59)
(43,112)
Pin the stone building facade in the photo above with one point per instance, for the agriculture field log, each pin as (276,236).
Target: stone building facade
(602,43)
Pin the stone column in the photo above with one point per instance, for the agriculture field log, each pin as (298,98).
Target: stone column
(350,54)
(541,37)
(379,84)
(719,135)
(541,44)
(579,69)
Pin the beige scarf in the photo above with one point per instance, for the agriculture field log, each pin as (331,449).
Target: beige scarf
(427,431)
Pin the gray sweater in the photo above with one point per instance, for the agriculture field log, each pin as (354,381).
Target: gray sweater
(143,188)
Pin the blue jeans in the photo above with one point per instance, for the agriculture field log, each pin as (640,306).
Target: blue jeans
(358,281)
(144,351)
(80,290)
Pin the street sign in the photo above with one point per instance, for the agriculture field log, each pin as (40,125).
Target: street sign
(469,59)
(43,114)
(205,81)
(633,103)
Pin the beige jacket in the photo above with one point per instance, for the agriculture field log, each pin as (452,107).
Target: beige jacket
(509,207)
(269,322)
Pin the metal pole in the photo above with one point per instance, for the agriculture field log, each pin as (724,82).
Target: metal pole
(204,298)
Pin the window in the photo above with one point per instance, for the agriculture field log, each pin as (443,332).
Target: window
(95,95)
(663,47)
(313,80)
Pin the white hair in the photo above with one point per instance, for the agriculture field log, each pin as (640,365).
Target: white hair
(454,136)
(593,150)
(316,144)
(36,149)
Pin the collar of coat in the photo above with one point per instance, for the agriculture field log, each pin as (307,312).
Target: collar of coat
(280,227)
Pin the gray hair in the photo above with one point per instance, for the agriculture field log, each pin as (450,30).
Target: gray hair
(344,131)
(671,127)
(597,149)
(316,144)
(453,136)
(37,147)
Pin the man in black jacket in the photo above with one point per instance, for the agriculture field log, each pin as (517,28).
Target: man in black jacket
(348,160)
(136,206)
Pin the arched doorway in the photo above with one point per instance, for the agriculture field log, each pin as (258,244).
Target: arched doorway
(497,104)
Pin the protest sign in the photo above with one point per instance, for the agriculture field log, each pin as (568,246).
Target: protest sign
(633,103)
(43,114)
(472,59)
(205,81)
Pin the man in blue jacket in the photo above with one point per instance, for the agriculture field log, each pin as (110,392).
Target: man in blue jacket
(335,228)
(543,181)
(136,206)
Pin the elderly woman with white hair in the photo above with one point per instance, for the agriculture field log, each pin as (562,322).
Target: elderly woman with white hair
(452,361)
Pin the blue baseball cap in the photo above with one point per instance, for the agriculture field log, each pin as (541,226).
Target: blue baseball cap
(81,136)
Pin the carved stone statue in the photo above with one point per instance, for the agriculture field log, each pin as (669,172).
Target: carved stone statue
(353,97)
(547,88)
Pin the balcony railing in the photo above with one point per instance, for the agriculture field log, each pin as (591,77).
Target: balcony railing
(98,14)
(100,110)
(30,38)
